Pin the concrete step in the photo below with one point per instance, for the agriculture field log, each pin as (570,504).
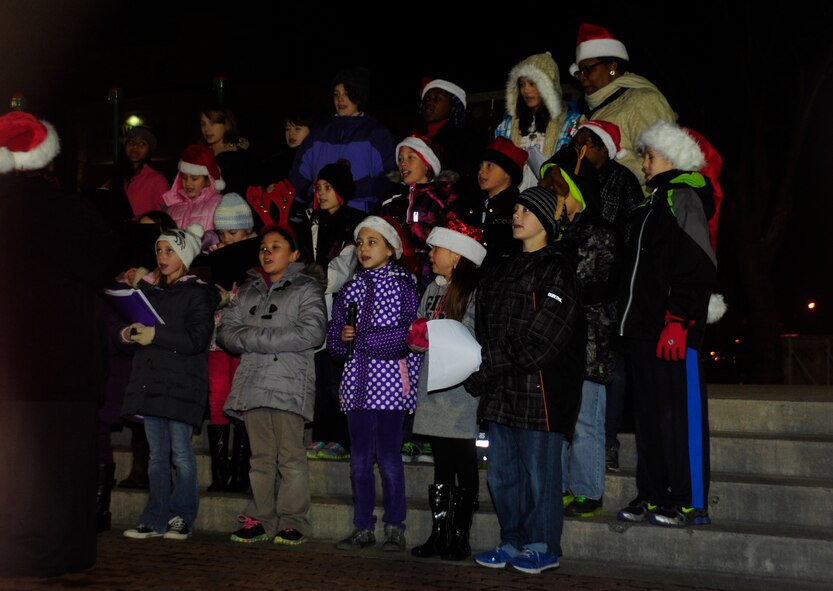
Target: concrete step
(789,410)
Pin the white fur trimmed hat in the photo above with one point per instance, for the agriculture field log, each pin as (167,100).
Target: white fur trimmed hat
(596,41)
(26,143)
(447,86)
(199,159)
(541,69)
(385,228)
(674,144)
(459,238)
(421,146)
(186,242)
(609,134)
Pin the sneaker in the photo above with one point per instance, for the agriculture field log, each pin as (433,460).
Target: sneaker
(141,532)
(177,529)
(636,511)
(679,516)
(313,449)
(289,536)
(611,458)
(584,507)
(251,531)
(425,453)
(534,562)
(497,558)
(360,538)
(394,539)
(409,451)
(567,498)
(333,451)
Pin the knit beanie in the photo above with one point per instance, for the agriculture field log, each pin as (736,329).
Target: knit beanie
(460,238)
(199,160)
(26,143)
(508,156)
(541,69)
(447,86)
(186,242)
(357,83)
(595,41)
(233,213)
(339,176)
(541,202)
(144,133)
(674,144)
(424,148)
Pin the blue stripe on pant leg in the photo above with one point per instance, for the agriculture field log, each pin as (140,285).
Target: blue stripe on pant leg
(695,427)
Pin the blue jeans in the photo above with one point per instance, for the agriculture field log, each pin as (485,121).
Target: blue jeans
(583,458)
(524,477)
(170,440)
(377,435)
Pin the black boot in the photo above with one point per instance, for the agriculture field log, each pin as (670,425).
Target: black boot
(105,487)
(138,477)
(439,498)
(218,446)
(463,505)
(240,453)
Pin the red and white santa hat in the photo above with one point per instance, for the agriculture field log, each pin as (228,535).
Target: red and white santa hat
(199,159)
(674,143)
(596,41)
(609,134)
(461,238)
(424,149)
(26,143)
(447,86)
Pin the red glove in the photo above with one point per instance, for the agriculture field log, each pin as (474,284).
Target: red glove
(417,338)
(671,344)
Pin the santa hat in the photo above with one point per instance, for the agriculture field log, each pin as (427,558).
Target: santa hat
(541,69)
(186,242)
(609,134)
(339,176)
(596,41)
(233,213)
(26,143)
(508,156)
(460,238)
(198,159)
(447,86)
(392,231)
(674,144)
(424,149)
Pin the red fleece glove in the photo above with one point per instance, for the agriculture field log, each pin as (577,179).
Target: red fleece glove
(417,338)
(671,344)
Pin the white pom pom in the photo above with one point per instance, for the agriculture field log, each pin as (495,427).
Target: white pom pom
(717,308)
(196,229)
(219,185)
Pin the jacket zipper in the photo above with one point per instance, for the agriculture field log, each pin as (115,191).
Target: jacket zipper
(633,275)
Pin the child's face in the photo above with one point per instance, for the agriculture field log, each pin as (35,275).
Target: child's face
(326,195)
(168,261)
(372,250)
(344,105)
(526,226)
(276,254)
(492,178)
(192,184)
(411,166)
(436,105)
(529,91)
(443,261)
(654,163)
(295,134)
(137,149)
(232,236)
(213,133)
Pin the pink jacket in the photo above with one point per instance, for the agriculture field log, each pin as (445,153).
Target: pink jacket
(144,191)
(199,210)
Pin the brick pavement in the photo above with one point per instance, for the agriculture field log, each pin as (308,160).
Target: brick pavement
(208,561)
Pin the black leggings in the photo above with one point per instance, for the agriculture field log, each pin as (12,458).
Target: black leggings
(455,462)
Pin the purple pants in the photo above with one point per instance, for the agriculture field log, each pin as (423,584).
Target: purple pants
(377,435)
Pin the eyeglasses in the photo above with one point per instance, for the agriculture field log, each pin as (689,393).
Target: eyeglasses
(587,70)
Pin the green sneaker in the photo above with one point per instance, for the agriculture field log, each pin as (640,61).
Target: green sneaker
(409,451)
(426,454)
(567,498)
(584,507)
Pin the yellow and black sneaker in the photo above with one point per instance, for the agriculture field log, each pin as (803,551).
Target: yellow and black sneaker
(679,516)
(584,507)
(636,511)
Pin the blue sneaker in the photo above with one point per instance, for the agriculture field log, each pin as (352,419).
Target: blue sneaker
(534,562)
(497,558)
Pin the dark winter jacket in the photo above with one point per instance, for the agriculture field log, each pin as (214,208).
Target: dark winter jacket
(169,378)
(671,264)
(619,195)
(497,228)
(531,326)
(334,232)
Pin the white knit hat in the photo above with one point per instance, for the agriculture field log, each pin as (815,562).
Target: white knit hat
(186,242)
(455,241)
(674,144)
(387,230)
(596,41)
(447,86)
(421,147)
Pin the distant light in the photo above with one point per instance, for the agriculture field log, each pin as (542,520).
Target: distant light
(811,305)
(737,340)
(134,120)
(712,353)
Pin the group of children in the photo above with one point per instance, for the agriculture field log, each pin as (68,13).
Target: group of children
(389,275)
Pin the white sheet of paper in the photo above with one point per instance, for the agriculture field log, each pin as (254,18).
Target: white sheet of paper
(453,353)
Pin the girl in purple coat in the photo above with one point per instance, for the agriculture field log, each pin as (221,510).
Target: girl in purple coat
(379,383)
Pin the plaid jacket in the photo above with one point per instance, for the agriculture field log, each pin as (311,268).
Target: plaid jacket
(531,326)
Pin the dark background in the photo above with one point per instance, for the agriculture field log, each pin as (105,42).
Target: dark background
(706,58)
